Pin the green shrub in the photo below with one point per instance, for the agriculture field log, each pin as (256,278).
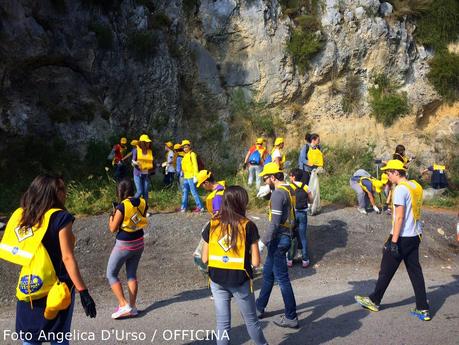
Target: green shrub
(142,44)
(104,35)
(410,7)
(341,161)
(444,75)
(159,21)
(351,93)
(387,105)
(303,45)
(189,6)
(307,22)
(439,26)
(293,8)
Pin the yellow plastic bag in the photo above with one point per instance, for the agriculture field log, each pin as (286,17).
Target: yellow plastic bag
(59,298)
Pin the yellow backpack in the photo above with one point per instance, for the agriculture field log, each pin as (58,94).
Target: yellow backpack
(134,216)
(23,246)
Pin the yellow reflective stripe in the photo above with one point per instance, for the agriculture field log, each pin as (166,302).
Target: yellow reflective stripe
(16,251)
(227,259)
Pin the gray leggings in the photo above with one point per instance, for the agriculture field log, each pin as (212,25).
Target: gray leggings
(128,252)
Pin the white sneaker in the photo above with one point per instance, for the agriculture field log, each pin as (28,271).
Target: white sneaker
(134,311)
(289,263)
(305,263)
(362,210)
(122,311)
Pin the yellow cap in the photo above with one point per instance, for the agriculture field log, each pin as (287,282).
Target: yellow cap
(203,175)
(378,185)
(384,178)
(394,164)
(260,141)
(169,144)
(134,142)
(59,298)
(270,169)
(145,138)
(177,146)
(186,142)
(278,141)
(123,140)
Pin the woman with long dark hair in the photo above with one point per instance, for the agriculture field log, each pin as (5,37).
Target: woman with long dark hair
(42,229)
(128,221)
(231,249)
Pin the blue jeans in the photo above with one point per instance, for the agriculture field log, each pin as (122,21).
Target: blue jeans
(188,185)
(275,267)
(254,173)
(302,220)
(142,184)
(65,330)
(246,302)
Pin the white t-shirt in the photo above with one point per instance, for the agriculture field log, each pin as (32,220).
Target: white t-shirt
(170,161)
(402,197)
(276,154)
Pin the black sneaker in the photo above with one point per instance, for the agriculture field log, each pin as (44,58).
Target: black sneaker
(286,323)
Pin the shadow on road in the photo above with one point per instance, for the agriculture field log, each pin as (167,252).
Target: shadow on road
(184,296)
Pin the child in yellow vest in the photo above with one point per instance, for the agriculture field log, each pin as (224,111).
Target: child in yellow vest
(128,221)
(231,249)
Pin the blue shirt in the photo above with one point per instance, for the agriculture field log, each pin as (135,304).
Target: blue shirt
(178,166)
(303,159)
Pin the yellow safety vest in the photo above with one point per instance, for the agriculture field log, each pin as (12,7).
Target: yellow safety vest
(315,157)
(190,165)
(372,180)
(212,195)
(134,216)
(221,253)
(145,160)
(290,222)
(416,197)
(23,246)
(440,168)
(282,154)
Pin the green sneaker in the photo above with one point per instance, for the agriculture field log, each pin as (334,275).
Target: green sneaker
(366,302)
(423,315)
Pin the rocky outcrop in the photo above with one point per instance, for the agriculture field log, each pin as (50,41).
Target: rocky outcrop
(87,69)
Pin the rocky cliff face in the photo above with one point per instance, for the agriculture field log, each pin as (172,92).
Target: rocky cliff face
(85,69)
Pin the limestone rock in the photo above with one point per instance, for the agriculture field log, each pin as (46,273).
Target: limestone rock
(385,9)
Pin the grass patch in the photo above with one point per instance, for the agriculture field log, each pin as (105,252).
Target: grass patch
(410,7)
(386,103)
(449,200)
(439,25)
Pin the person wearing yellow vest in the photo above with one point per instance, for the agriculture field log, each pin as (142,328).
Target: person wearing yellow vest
(312,162)
(277,153)
(214,199)
(303,196)
(400,154)
(128,222)
(365,186)
(438,179)
(39,238)
(403,242)
(277,239)
(254,160)
(230,249)
(120,151)
(169,163)
(190,175)
(143,162)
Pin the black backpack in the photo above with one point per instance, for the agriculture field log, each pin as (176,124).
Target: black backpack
(301,196)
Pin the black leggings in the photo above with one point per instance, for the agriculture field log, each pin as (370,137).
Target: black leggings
(409,250)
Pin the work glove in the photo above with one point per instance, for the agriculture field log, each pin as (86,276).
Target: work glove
(376,209)
(393,250)
(88,303)
(195,180)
